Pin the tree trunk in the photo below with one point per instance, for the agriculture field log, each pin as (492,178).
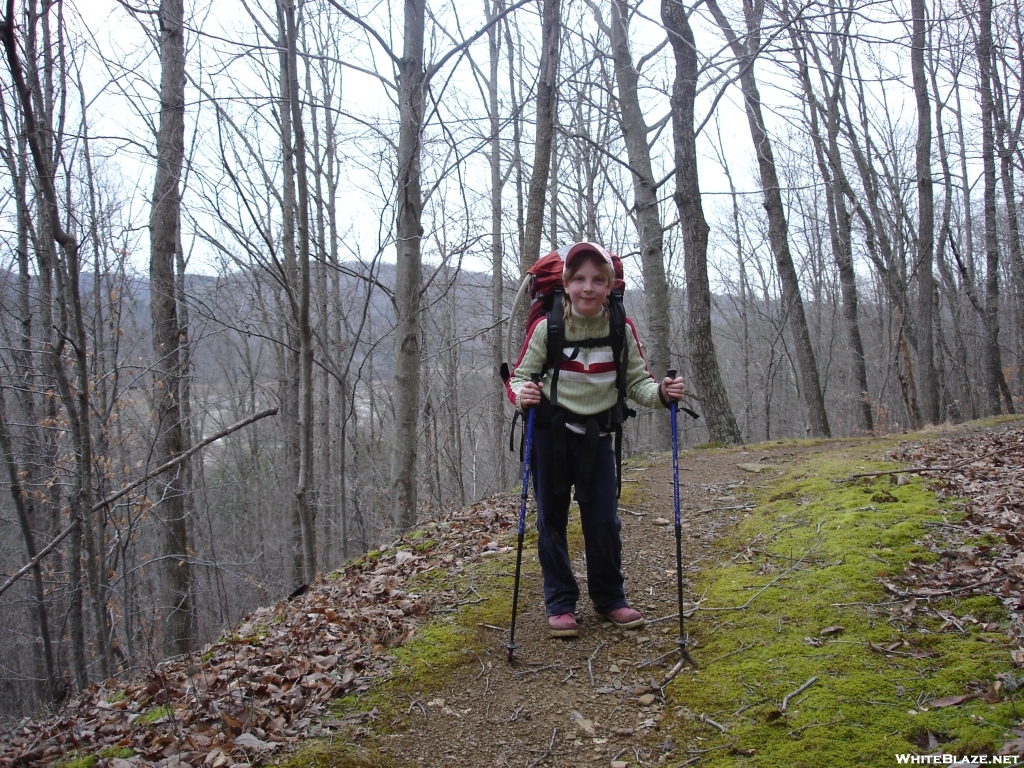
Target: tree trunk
(649,229)
(793,305)
(165,233)
(547,107)
(994,382)
(721,422)
(829,159)
(411,97)
(497,405)
(22,504)
(1007,141)
(926,221)
(304,487)
(67,316)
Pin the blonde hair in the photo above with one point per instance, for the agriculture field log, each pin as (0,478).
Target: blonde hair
(568,274)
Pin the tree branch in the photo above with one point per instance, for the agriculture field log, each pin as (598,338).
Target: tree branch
(131,487)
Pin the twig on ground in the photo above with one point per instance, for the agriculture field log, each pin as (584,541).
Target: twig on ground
(569,675)
(743,647)
(951,468)
(546,755)
(656,659)
(745,707)
(770,584)
(797,692)
(709,721)
(416,703)
(590,662)
(677,669)
(532,671)
(460,603)
(815,724)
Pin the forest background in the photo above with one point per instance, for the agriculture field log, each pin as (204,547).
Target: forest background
(258,258)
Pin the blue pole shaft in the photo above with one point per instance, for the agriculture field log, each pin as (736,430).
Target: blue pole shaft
(681,642)
(522,524)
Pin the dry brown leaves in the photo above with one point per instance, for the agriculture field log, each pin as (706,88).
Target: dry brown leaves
(268,683)
(980,554)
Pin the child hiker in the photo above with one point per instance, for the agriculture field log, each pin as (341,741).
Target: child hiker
(572,438)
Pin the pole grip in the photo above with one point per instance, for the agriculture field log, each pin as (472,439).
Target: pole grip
(535,377)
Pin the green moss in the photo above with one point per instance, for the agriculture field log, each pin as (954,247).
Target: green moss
(122,752)
(336,755)
(829,546)
(76,760)
(154,714)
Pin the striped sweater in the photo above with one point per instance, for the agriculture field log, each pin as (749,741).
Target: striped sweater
(586,384)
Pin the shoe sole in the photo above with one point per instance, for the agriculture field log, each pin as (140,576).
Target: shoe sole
(625,624)
(564,632)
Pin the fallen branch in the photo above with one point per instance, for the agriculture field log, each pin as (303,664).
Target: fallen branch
(533,671)
(546,755)
(797,692)
(590,662)
(709,721)
(951,468)
(131,487)
(672,672)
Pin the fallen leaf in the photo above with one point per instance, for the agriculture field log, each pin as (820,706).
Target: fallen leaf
(835,629)
(252,742)
(948,701)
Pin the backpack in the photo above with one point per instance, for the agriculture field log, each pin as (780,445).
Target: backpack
(543,283)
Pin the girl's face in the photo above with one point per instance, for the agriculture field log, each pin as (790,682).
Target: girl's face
(588,289)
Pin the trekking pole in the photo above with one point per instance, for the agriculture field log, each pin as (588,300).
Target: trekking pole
(511,646)
(681,642)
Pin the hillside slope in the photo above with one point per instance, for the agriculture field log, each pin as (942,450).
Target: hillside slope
(399,659)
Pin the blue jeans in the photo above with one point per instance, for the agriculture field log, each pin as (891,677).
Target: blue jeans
(601,526)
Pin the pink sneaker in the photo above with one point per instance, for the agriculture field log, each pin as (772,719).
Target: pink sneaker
(563,625)
(624,617)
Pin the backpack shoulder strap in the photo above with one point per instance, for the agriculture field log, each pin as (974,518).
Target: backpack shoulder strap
(556,340)
(620,349)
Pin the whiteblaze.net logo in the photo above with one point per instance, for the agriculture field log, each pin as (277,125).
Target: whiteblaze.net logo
(953,760)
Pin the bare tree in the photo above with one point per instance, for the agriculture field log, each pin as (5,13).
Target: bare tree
(547,114)
(649,228)
(926,218)
(994,380)
(165,239)
(746,52)
(721,422)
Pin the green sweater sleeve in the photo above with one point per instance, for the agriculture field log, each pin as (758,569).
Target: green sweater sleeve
(532,359)
(641,386)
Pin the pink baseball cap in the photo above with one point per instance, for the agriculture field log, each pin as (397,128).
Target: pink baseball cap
(571,253)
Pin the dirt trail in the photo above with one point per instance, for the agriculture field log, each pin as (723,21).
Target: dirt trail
(591,699)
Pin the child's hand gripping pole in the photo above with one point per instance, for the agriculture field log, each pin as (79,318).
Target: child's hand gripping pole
(511,646)
(684,654)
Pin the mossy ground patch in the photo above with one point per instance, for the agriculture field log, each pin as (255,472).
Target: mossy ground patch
(812,557)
